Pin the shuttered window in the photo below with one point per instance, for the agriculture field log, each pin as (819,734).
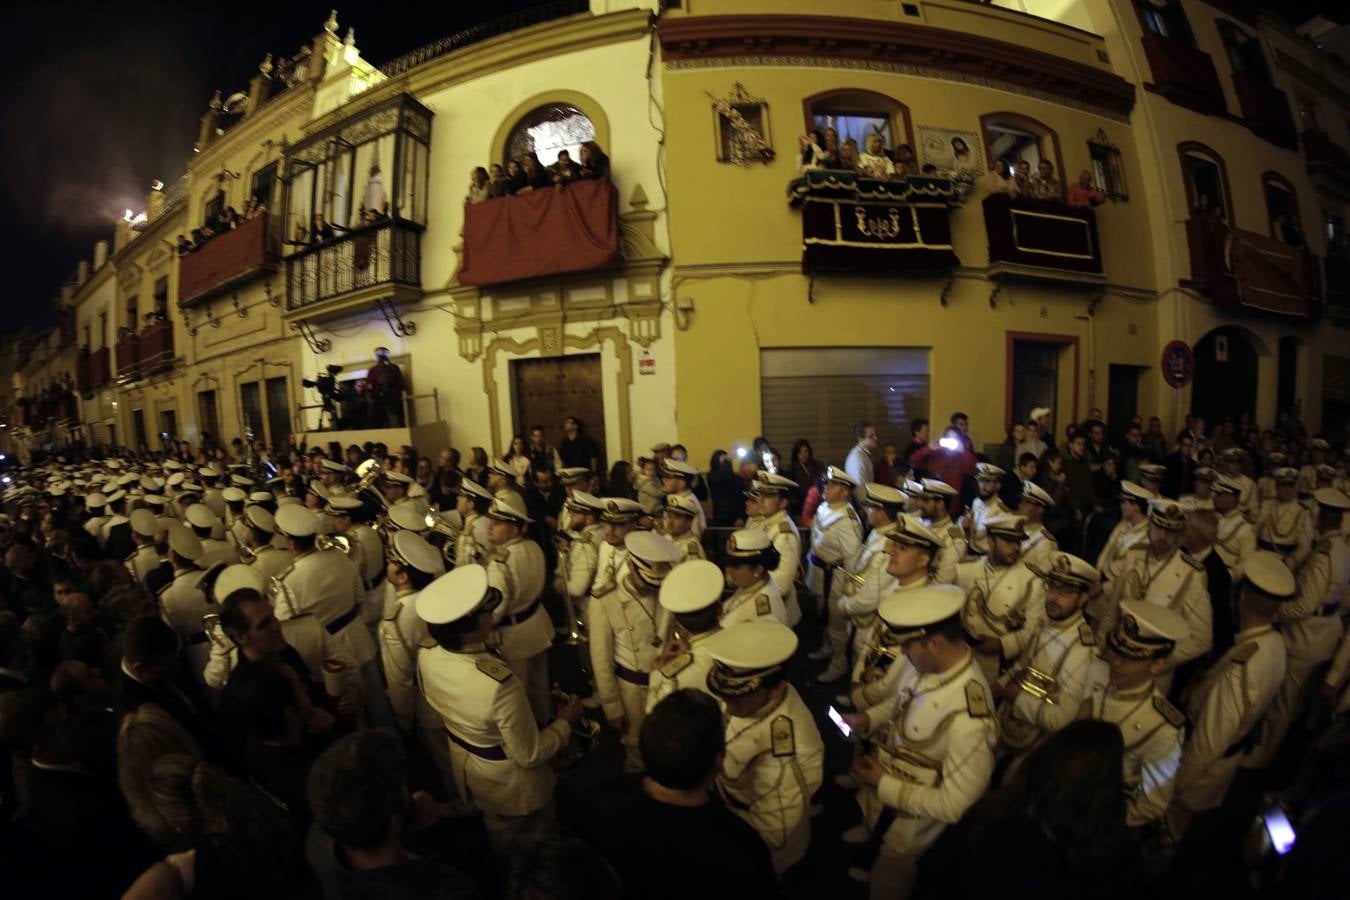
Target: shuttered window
(818,394)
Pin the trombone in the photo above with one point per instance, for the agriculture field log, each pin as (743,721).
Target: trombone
(852,581)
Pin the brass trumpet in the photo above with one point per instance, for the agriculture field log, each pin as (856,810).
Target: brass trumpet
(247,555)
(438,524)
(368,474)
(326,542)
(852,581)
(1039,684)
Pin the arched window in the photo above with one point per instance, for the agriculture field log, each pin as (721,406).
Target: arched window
(854,114)
(1013,139)
(1244,51)
(1166,18)
(1206,179)
(546,130)
(1282,209)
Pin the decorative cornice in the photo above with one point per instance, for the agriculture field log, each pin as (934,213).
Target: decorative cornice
(785,40)
(295,101)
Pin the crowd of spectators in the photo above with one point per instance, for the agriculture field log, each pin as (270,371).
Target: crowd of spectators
(224,220)
(526,173)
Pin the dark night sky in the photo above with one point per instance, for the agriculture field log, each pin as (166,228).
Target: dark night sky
(103,98)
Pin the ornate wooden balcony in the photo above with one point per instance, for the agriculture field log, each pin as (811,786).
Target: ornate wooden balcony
(870,227)
(228,260)
(374,262)
(92,370)
(1184,75)
(155,351)
(1245,271)
(1041,240)
(128,356)
(1328,162)
(1265,109)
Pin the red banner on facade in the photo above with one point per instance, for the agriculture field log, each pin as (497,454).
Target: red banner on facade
(548,231)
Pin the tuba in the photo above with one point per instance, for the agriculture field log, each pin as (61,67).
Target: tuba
(368,474)
(437,523)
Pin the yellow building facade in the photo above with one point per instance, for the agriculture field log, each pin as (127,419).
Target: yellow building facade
(708,297)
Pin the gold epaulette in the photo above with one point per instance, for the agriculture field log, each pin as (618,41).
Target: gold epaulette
(1323,545)
(1192,561)
(501,555)
(783,736)
(393,612)
(786,527)
(955,533)
(1086,636)
(427,642)
(762,605)
(977,702)
(1244,653)
(1175,717)
(677,664)
(493,668)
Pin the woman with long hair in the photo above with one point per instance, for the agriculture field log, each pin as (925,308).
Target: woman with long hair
(1063,806)
(518,458)
(804,469)
(476,470)
(620,482)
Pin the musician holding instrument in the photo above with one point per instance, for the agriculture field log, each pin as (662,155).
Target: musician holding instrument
(1043,691)
(260,544)
(836,535)
(499,756)
(1162,572)
(472,502)
(351,520)
(935,499)
(774,756)
(770,494)
(866,580)
(689,596)
(1004,598)
(516,568)
(750,557)
(679,517)
(928,750)
(578,553)
(985,507)
(182,602)
(146,558)
(622,627)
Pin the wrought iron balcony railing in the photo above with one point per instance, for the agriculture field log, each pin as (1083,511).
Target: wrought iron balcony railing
(385,253)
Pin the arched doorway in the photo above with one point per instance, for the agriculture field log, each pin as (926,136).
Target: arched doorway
(1225,376)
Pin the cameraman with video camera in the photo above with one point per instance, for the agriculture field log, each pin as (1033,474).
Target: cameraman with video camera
(329,392)
(386,384)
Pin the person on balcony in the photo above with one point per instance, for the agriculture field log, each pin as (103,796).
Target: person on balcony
(812,155)
(1044,184)
(478,186)
(848,155)
(321,232)
(1084,194)
(536,176)
(830,160)
(564,170)
(497,183)
(594,162)
(375,196)
(874,163)
(999,180)
(515,177)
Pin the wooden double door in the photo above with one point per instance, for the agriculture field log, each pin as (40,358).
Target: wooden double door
(546,391)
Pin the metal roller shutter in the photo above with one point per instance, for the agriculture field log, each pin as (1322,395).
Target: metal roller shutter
(818,394)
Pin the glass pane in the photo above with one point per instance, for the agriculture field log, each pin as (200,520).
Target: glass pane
(278,412)
(856,126)
(250,401)
(340,188)
(1206,186)
(302,198)
(208,417)
(549,129)
(374,173)
(1016,144)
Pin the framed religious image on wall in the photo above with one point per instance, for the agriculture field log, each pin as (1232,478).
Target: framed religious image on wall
(956,154)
